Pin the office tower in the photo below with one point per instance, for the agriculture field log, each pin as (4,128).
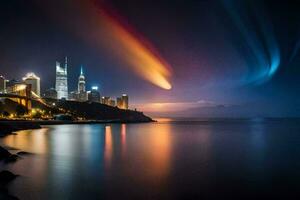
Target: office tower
(125,101)
(82,95)
(51,94)
(73,96)
(119,102)
(81,81)
(61,85)
(94,95)
(122,102)
(105,100)
(111,102)
(34,81)
(2,84)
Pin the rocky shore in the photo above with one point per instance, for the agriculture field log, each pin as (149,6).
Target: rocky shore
(10,126)
(6,176)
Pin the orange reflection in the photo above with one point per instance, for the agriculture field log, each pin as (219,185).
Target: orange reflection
(34,141)
(164,119)
(108,146)
(159,151)
(123,139)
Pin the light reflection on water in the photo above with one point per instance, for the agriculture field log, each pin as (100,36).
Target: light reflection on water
(155,160)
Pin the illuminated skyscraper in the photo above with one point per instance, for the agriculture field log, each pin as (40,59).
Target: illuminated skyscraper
(94,95)
(125,101)
(34,81)
(82,95)
(2,84)
(122,102)
(61,85)
(81,81)
(119,102)
(105,100)
(111,102)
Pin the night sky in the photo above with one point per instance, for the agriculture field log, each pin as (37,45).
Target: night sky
(221,58)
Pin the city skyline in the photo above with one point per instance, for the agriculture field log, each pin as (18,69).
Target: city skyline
(214,56)
(31,82)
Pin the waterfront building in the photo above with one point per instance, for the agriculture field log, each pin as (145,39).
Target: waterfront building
(125,101)
(122,102)
(119,102)
(82,95)
(50,94)
(94,95)
(34,81)
(61,85)
(73,96)
(105,100)
(2,84)
(111,102)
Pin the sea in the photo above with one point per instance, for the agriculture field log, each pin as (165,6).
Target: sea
(182,158)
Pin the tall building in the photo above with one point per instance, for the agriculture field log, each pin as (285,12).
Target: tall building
(105,100)
(119,102)
(122,102)
(94,95)
(61,85)
(2,85)
(81,81)
(111,102)
(125,101)
(73,96)
(82,95)
(34,81)
(51,94)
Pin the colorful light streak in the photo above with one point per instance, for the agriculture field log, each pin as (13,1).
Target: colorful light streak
(138,53)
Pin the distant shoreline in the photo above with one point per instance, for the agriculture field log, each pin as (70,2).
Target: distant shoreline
(7,127)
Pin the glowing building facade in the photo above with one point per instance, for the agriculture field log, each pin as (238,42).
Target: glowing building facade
(125,101)
(122,102)
(94,95)
(2,84)
(61,85)
(34,81)
(82,94)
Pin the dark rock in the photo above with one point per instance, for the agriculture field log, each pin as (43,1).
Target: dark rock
(7,157)
(4,194)
(12,158)
(4,154)
(6,177)
(10,126)
(23,153)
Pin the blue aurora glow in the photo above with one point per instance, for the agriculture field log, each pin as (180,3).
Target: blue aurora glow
(295,51)
(257,45)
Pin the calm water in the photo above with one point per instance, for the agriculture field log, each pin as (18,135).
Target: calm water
(164,160)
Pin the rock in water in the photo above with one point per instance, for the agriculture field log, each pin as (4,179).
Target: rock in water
(4,194)
(23,153)
(12,158)
(6,177)
(4,154)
